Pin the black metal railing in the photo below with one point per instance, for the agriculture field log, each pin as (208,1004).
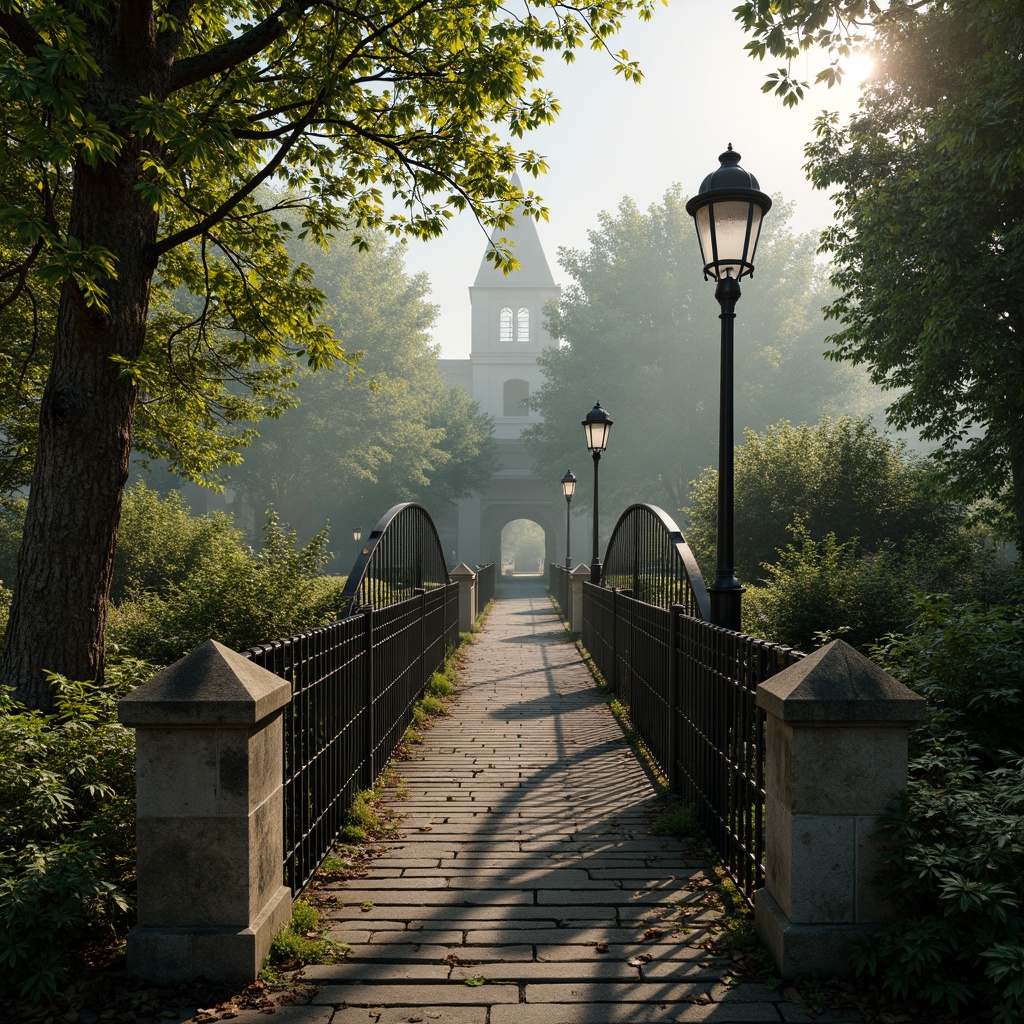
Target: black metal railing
(401,556)
(648,556)
(485,585)
(354,684)
(690,687)
(558,584)
(719,751)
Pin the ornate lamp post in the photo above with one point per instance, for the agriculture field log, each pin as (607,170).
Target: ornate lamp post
(568,486)
(357,536)
(597,426)
(728,211)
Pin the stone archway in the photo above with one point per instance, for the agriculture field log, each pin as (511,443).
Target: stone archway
(495,516)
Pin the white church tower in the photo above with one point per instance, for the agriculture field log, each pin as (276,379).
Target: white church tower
(508,335)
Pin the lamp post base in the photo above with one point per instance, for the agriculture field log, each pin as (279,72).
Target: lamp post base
(595,572)
(726,596)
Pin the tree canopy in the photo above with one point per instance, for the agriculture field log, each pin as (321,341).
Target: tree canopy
(393,431)
(928,244)
(639,332)
(841,477)
(158,150)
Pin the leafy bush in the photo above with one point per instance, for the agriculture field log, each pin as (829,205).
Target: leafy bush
(827,588)
(67,831)
(837,476)
(968,661)
(954,848)
(212,584)
(161,544)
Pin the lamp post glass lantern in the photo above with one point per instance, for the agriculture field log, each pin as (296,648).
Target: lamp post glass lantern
(597,426)
(728,212)
(568,487)
(357,536)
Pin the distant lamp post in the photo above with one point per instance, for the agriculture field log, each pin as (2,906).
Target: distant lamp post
(597,426)
(568,486)
(728,211)
(357,536)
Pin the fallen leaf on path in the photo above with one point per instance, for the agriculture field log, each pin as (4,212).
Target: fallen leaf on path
(601,947)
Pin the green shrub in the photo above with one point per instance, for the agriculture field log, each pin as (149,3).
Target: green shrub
(216,586)
(160,544)
(439,686)
(954,847)
(67,832)
(968,661)
(955,875)
(827,588)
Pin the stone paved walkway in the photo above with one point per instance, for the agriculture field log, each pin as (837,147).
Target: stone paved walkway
(525,860)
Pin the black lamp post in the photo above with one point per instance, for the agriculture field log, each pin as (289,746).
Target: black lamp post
(597,426)
(357,536)
(728,211)
(568,486)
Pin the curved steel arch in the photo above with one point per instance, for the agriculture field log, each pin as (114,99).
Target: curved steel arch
(648,554)
(402,555)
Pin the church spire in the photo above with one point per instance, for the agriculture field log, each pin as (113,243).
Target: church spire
(533,269)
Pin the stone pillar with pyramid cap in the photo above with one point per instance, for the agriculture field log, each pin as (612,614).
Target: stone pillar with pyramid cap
(836,759)
(210,821)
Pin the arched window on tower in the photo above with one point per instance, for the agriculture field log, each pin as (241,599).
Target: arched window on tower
(516,393)
(523,326)
(505,326)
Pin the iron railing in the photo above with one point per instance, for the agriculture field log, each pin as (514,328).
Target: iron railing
(648,556)
(485,585)
(690,687)
(558,584)
(719,752)
(402,555)
(354,684)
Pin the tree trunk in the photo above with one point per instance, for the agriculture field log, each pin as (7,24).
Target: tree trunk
(58,615)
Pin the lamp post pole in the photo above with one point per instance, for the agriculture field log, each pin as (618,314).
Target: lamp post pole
(728,211)
(568,487)
(726,593)
(597,426)
(595,561)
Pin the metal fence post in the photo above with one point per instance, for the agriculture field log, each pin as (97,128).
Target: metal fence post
(615,641)
(369,696)
(675,684)
(422,594)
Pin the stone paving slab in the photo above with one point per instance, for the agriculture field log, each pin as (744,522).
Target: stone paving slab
(525,858)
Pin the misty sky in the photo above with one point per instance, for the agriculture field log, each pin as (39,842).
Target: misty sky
(614,138)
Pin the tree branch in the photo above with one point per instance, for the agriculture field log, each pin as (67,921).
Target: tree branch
(187,234)
(19,30)
(234,52)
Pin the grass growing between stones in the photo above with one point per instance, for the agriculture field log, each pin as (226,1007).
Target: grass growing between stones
(302,942)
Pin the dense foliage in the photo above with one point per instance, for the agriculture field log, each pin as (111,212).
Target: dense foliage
(837,525)
(954,851)
(639,331)
(839,476)
(67,779)
(156,161)
(927,248)
(188,579)
(393,431)
(67,830)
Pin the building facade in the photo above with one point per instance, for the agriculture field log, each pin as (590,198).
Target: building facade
(501,372)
